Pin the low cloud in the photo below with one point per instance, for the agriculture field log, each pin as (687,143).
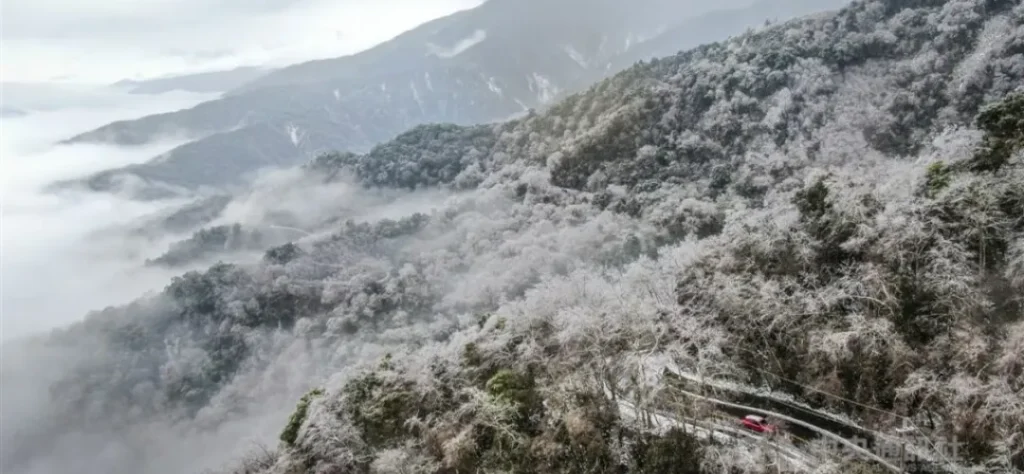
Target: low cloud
(68,253)
(58,264)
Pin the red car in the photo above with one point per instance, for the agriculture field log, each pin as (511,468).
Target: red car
(758,424)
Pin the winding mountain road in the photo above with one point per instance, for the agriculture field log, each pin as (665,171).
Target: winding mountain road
(721,427)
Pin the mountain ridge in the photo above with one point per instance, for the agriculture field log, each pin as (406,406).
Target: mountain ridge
(212,81)
(484,83)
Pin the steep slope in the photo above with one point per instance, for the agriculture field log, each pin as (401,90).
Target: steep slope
(540,33)
(476,66)
(834,205)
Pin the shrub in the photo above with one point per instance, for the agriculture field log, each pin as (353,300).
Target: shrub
(379,405)
(937,178)
(1003,124)
(510,386)
(291,430)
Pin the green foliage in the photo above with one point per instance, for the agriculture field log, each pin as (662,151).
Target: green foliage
(291,431)
(520,389)
(510,386)
(1003,123)
(937,178)
(379,403)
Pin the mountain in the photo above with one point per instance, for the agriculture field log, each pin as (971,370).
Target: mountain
(476,66)
(214,81)
(823,218)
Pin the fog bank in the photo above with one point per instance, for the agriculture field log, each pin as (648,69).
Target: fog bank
(56,265)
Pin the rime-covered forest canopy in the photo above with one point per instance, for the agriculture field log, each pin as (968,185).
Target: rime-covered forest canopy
(831,205)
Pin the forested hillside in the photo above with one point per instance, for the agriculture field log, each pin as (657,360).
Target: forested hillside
(829,207)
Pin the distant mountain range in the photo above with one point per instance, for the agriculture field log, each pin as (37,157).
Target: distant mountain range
(475,66)
(214,81)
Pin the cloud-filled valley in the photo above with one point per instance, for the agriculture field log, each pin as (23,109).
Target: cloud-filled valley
(58,263)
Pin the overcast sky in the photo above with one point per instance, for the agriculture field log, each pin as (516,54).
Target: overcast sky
(109,40)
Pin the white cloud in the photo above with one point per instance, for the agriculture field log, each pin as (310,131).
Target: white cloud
(56,263)
(108,40)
